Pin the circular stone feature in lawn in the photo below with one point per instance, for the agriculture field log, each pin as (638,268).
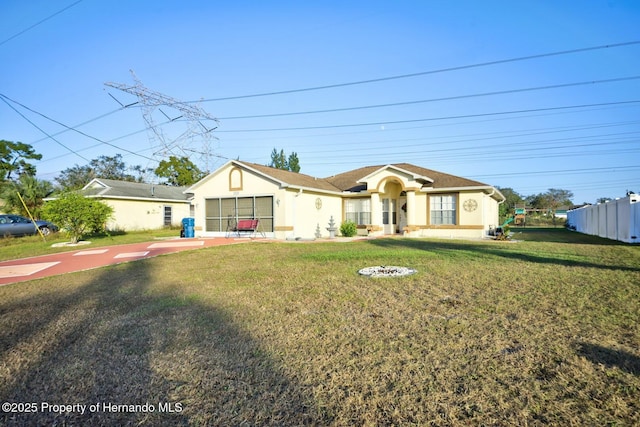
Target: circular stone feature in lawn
(386,271)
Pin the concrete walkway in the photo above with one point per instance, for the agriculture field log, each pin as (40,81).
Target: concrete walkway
(85,258)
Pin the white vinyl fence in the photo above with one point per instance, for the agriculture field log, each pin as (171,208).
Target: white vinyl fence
(618,219)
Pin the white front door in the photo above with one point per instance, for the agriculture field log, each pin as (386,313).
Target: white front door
(402,213)
(389,216)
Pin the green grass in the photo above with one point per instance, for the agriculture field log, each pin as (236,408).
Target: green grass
(536,332)
(28,246)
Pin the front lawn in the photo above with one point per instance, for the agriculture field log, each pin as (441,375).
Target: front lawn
(28,246)
(540,331)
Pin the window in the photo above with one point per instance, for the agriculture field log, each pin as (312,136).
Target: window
(167,216)
(443,209)
(358,211)
(388,211)
(222,213)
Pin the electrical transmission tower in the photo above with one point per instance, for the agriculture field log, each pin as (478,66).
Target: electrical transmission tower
(194,137)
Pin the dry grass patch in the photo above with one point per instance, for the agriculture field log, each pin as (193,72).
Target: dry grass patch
(528,333)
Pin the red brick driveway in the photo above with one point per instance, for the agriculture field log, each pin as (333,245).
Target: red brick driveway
(87,257)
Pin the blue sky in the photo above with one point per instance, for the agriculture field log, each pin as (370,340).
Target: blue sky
(475,90)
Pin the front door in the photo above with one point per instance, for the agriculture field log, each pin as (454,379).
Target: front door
(402,213)
(389,216)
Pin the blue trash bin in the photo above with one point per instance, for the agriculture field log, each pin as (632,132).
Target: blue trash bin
(188,227)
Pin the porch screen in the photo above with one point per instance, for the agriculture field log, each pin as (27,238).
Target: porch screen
(358,211)
(223,212)
(443,209)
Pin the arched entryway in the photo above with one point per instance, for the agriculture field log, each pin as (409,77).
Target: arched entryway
(391,203)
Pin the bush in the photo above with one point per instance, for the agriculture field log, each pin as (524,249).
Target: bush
(77,215)
(348,228)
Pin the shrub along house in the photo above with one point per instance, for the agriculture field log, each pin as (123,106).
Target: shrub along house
(390,199)
(140,206)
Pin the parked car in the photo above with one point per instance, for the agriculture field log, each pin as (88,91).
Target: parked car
(16,225)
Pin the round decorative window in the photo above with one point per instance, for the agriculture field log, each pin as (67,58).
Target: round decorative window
(470,205)
(318,203)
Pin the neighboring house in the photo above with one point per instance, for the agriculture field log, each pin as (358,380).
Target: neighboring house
(139,206)
(382,200)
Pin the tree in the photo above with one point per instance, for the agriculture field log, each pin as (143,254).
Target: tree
(32,191)
(179,171)
(141,173)
(294,162)
(551,200)
(14,158)
(506,209)
(77,215)
(107,167)
(279,161)
(111,168)
(75,177)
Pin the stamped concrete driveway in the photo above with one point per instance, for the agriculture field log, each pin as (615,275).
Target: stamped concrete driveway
(20,270)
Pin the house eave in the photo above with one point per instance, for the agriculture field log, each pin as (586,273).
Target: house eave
(489,190)
(140,199)
(347,193)
(310,189)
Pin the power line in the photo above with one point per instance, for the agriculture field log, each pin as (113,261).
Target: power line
(448,98)
(482,155)
(38,23)
(4,99)
(562,171)
(424,73)
(425,146)
(463,116)
(86,122)
(109,142)
(373,81)
(402,76)
(474,137)
(395,122)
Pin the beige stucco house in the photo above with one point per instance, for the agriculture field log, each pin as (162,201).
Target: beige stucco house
(394,199)
(140,206)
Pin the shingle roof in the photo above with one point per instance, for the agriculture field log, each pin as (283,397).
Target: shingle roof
(348,181)
(293,178)
(112,188)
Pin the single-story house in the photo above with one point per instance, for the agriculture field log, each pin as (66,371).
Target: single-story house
(140,206)
(393,199)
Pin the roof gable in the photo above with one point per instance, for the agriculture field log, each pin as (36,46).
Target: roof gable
(397,170)
(283,178)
